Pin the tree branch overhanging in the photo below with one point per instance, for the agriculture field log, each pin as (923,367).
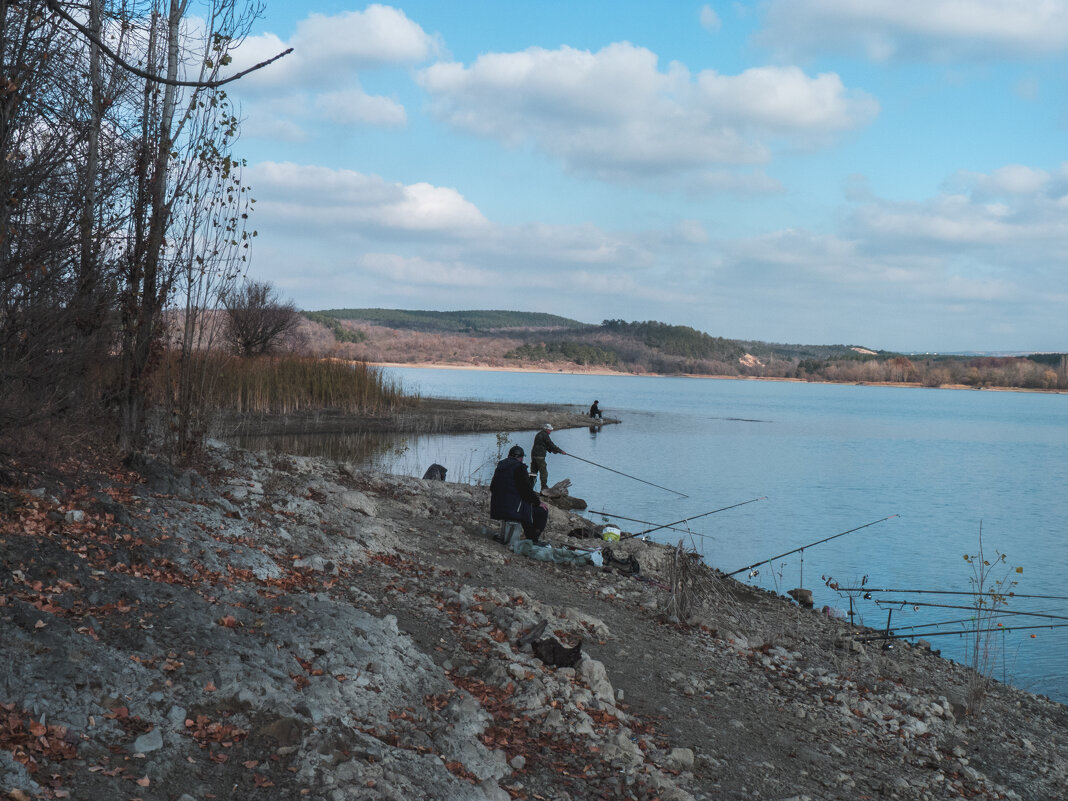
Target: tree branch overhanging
(54,6)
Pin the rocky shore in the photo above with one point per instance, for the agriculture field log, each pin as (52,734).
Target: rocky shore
(284,627)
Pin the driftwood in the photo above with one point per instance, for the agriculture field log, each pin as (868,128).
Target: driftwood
(558,496)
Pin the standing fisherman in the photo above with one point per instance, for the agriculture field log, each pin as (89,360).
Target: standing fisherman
(543,445)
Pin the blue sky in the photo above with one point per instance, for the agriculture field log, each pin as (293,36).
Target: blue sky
(886,173)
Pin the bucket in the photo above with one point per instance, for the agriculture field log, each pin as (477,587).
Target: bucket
(610,534)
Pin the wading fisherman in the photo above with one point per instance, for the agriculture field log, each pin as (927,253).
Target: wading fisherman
(513,498)
(543,445)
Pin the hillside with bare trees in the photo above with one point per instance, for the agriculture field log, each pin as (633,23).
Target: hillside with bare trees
(524,341)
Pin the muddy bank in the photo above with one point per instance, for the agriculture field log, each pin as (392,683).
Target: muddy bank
(422,416)
(286,627)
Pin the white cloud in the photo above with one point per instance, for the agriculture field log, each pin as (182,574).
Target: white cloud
(319,81)
(709,19)
(1014,179)
(973,257)
(339,201)
(938,30)
(330,50)
(425,272)
(356,107)
(614,114)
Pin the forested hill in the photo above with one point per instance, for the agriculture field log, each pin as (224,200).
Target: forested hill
(489,321)
(507,339)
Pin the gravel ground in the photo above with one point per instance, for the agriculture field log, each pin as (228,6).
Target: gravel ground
(290,627)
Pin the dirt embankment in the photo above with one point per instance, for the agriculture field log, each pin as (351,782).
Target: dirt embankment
(280,627)
(421,416)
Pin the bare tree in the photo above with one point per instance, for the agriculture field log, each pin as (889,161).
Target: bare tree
(118,190)
(258,322)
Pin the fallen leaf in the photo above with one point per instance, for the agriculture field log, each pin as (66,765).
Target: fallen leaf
(40,624)
(144,781)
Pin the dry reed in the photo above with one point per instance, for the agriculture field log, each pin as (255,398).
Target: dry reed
(290,384)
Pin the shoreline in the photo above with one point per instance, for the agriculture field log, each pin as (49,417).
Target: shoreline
(600,371)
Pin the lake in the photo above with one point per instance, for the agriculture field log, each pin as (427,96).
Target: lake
(828,458)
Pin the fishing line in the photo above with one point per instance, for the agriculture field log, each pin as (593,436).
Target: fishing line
(817,542)
(650,523)
(695,517)
(627,475)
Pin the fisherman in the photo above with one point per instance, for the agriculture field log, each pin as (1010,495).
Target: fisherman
(512,496)
(595,410)
(543,445)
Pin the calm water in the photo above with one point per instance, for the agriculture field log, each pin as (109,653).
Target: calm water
(829,458)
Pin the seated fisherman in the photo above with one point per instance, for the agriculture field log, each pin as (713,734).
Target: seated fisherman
(595,410)
(513,498)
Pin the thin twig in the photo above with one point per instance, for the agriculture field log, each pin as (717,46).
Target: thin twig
(54,6)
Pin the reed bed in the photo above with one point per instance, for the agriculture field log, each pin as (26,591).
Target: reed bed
(290,384)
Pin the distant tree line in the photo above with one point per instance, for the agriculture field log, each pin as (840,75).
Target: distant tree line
(339,332)
(576,352)
(471,322)
(654,347)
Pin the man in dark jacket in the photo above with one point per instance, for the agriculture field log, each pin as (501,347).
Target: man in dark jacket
(513,498)
(543,445)
(595,410)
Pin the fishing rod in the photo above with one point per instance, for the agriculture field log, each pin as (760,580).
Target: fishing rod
(902,604)
(649,523)
(871,637)
(688,519)
(951,592)
(620,472)
(817,542)
(940,623)
(669,525)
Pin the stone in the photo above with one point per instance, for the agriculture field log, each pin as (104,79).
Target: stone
(148,742)
(358,502)
(680,758)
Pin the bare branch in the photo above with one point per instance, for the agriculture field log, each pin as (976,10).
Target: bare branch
(54,6)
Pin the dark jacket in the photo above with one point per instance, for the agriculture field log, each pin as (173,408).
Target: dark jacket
(542,443)
(511,496)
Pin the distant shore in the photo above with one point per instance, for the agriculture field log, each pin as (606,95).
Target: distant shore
(607,372)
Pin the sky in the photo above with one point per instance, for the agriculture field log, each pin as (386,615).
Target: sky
(884,173)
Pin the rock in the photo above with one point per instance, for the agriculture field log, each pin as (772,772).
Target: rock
(358,502)
(148,742)
(597,678)
(802,596)
(680,758)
